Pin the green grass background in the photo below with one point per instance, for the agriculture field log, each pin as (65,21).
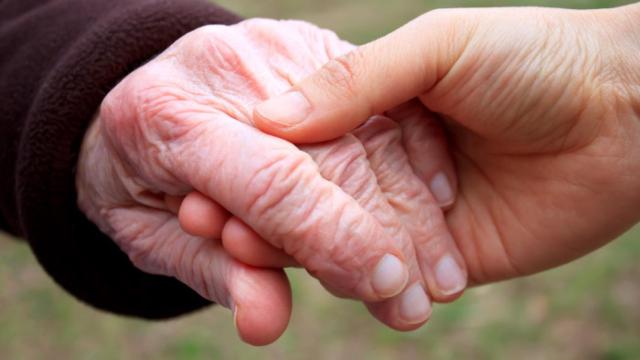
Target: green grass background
(589,309)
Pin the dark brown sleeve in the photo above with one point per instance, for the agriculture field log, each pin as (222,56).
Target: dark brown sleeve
(58,59)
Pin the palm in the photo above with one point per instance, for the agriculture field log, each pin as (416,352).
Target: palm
(527,184)
(510,213)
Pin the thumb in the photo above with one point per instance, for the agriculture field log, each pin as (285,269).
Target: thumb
(259,298)
(369,80)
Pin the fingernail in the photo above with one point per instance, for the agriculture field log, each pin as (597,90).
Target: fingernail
(390,276)
(415,306)
(441,189)
(232,306)
(449,276)
(286,110)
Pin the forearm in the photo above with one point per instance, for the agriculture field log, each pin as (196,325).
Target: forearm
(57,62)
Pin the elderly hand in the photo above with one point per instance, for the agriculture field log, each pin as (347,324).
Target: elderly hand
(373,165)
(543,107)
(181,124)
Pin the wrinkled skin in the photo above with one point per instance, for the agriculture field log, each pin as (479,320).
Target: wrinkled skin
(543,108)
(181,124)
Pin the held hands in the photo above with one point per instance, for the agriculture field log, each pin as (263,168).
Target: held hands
(541,105)
(357,212)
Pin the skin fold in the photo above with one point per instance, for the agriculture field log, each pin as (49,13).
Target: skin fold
(181,125)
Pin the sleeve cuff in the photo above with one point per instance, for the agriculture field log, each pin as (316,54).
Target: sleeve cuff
(71,249)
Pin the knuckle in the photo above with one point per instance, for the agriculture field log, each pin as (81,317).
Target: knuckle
(381,137)
(433,246)
(261,24)
(199,38)
(143,118)
(341,73)
(214,51)
(151,100)
(137,97)
(444,16)
(421,132)
(430,230)
(335,257)
(379,128)
(383,140)
(116,109)
(335,46)
(156,107)
(272,184)
(344,162)
(109,106)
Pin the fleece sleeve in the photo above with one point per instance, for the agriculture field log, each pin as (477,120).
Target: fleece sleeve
(58,59)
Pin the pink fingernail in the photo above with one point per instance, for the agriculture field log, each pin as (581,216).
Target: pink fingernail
(234,312)
(441,189)
(449,276)
(390,276)
(286,110)
(415,306)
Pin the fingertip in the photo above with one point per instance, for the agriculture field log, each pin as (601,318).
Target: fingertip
(306,115)
(408,311)
(450,277)
(442,189)
(426,145)
(201,216)
(309,130)
(445,299)
(283,114)
(389,277)
(446,275)
(262,305)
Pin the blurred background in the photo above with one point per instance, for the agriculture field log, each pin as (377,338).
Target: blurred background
(589,309)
